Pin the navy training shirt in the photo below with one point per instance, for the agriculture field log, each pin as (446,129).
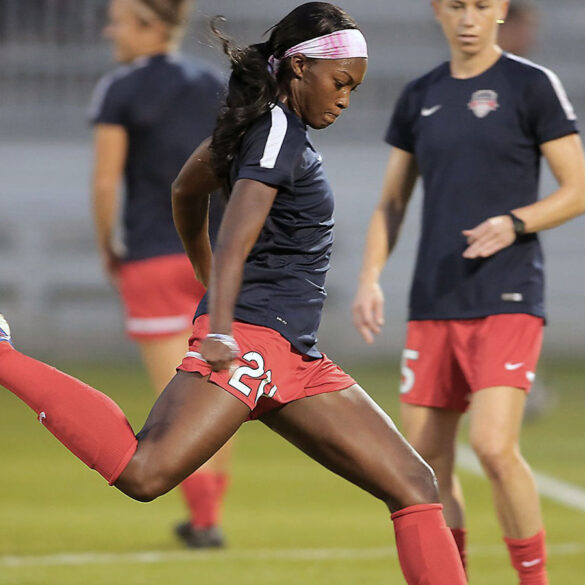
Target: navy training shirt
(284,274)
(476,144)
(168,106)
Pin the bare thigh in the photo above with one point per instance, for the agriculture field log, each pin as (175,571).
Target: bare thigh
(432,432)
(189,422)
(351,435)
(161,356)
(496,419)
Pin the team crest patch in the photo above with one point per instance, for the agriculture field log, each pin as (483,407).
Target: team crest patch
(483,102)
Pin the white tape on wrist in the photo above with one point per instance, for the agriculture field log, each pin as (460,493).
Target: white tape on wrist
(227,340)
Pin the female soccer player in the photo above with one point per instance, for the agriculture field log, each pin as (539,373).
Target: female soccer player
(149,115)
(475,128)
(253,351)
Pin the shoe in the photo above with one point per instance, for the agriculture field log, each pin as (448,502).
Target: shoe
(193,537)
(5,330)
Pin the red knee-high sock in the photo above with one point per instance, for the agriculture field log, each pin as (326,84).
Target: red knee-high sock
(460,536)
(87,422)
(203,491)
(222,482)
(426,549)
(528,557)
(203,498)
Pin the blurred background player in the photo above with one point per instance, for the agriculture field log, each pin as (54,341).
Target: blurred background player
(475,129)
(519,35)
(149,115)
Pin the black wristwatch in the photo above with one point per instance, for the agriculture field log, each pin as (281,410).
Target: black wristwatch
(519,225)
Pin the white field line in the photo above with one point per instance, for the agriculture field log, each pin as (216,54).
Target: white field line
(559,491)
(295,555)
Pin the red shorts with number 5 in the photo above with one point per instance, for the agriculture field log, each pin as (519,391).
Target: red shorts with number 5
(444,361)
(269,372)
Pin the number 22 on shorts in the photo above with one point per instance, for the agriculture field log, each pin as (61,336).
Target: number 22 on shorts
(256,373)
(407,381)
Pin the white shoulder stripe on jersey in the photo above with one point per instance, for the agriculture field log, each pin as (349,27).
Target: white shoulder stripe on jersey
(104,84)
(555,82)
(275,138)
(98,96)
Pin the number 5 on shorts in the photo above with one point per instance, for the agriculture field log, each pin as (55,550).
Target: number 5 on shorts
(407,374)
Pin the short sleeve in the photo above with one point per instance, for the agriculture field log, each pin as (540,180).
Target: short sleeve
(551,114)
(270,150)
(109,102)
(400,131)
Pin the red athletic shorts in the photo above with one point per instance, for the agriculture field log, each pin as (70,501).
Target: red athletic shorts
(444,361)
(269,372)
(160,295)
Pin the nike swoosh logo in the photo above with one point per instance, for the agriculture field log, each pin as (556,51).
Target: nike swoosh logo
(510,366)
(430,111)
(531,563)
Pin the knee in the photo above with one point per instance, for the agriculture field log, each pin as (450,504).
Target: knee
(496,457)
(143,483)
(423,488)
(418,485)
(144,491)
(440,461)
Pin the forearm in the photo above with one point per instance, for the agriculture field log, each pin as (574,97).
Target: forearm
(399,180)
(225,284)
(566,161)
(190,197)
(190,215)
(381,238)
(250,200)
(561,206)
(200,255)
(105,210)
(110,149)
(499,232)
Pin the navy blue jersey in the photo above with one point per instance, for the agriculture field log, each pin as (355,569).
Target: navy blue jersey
(168,106)
(476,143)
(284,274)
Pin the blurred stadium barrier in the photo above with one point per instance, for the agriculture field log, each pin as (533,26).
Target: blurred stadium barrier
(52,54)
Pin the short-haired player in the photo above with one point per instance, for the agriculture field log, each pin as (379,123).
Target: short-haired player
(475,129)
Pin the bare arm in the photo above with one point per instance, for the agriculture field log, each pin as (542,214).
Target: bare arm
(383,232)
(566,161)
(190,195)
(244,217)
(109,157)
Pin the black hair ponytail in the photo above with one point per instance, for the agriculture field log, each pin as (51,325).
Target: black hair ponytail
(251,91)
(253,87)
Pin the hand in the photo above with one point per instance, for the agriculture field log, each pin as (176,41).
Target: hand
(368,310)
(490,236)
(217,354)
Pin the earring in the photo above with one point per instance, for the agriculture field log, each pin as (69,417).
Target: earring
(500,21)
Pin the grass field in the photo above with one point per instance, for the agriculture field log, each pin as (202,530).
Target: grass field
(288,521)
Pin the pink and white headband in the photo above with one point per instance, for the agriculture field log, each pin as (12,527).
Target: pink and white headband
(341,44)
